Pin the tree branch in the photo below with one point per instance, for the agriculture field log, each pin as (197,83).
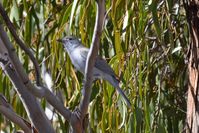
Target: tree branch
(79,118)
(33,109)
(35,113)
(21,44)
(21,81)
(93,52)
(39,91)
(7,111)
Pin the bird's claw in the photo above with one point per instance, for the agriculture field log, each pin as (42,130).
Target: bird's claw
(77,113)
(84,121)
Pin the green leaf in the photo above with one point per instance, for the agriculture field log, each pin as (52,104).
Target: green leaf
(75,2)
(64,18)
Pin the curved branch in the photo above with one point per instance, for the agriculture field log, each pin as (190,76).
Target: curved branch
(7,111)
(38,91)
(33,109)
(92,56)
(79,118)
(21,44)
(14,70)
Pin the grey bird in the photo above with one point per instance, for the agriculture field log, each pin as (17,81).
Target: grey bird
(78,55)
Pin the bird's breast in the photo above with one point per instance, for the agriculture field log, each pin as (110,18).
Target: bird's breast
(78,61)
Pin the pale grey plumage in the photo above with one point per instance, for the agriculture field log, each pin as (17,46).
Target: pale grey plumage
(78,55)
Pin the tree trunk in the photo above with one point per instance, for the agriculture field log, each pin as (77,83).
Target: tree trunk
(192,12)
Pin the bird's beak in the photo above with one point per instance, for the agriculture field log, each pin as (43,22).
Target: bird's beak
(60,40)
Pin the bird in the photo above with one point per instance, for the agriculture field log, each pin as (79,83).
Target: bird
(78,56)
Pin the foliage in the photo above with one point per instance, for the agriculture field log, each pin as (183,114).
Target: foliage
(144,42)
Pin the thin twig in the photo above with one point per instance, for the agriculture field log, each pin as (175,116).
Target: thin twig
(21,44)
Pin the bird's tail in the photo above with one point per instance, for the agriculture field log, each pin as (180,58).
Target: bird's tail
(124,96)
(115,83)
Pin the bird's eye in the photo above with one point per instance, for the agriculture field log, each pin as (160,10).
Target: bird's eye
(70,38)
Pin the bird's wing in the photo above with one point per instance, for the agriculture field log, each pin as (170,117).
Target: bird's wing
(103,66)
(100,63)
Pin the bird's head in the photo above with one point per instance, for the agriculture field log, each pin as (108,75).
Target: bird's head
(70,43)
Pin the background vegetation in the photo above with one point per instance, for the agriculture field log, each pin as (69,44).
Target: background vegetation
(145,42)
